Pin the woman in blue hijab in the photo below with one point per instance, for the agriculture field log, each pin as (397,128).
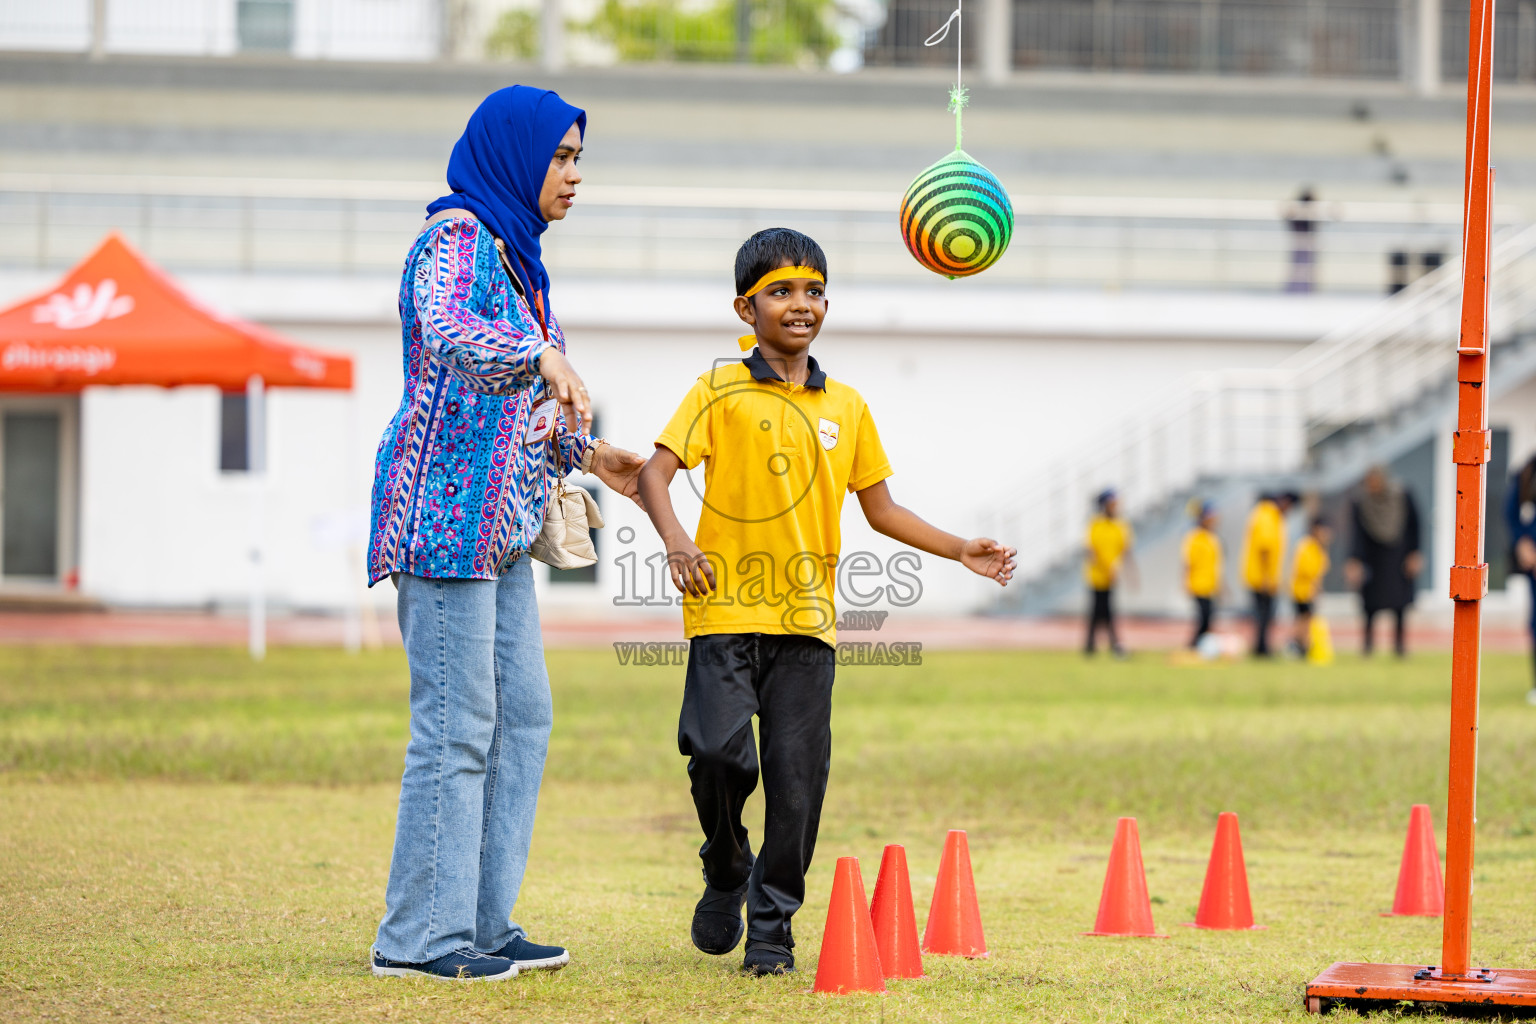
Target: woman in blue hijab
(462,477)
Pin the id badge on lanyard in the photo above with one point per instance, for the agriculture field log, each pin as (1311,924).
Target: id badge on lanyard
(541,422)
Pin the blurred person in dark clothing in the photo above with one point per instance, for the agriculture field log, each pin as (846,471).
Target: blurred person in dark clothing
(1385,558)
(1520,512)
(1301,221)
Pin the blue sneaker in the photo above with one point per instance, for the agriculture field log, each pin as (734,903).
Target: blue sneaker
(530,956)
(463,965)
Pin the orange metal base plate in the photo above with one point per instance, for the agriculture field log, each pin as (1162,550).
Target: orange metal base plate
(1359,983)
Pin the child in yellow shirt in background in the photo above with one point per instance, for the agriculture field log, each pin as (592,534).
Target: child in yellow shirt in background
(1202,569)
(1307,579)
(1109,544)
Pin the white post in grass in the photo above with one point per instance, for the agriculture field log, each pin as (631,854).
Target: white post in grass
(256,469)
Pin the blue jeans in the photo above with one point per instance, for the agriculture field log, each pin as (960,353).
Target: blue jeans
(480,720)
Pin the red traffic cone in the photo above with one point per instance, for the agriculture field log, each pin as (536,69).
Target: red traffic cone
(1420,885)
(895,924)
(1224,901)
(1124,908)
(850,961)
(954,917)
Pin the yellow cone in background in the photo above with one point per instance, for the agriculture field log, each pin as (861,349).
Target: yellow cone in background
(1319,642)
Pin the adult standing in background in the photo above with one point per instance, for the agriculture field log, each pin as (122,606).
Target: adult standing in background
(463,475)
(1385,560)
(1263,560)
(1301,221)
(1520,512)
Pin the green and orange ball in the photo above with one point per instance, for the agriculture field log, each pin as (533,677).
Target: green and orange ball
(956,218)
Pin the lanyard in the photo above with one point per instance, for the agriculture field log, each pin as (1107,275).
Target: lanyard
(517,284)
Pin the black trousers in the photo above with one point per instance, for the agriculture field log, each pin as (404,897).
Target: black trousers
(1399,629)
(787,682)
(1263,615)
(1205,611)
(1102,614)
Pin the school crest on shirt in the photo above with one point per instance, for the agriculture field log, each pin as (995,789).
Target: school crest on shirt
(828,431)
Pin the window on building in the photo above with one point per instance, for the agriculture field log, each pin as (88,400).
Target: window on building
(234,440)
(265,26)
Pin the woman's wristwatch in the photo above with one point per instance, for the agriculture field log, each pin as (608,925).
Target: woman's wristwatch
(590,455)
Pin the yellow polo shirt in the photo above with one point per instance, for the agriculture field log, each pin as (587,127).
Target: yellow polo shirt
(1108,540)
(1310,568)
(1202,562)
(1264,548)
(778,460)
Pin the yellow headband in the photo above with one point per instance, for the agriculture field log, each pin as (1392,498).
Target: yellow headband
(783,274)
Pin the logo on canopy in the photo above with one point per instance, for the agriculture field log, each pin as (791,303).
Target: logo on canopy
(84,307)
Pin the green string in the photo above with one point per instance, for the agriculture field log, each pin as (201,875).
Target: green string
(959,99)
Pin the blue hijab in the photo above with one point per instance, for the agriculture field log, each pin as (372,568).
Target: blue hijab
(498,167)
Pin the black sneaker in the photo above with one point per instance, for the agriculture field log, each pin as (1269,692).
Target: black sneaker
(767,958)
(717,924)
(530,956)
(463,965)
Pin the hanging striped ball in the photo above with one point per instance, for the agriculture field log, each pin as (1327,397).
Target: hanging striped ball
(956,218)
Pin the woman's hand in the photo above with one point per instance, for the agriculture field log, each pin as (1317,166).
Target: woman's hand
(1525,554)
(619,470)
(1354,573)
(567,388)
(986,557)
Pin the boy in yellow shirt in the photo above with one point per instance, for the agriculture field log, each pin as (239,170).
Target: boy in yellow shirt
(1109,544)
(1202,569)
(1263,558)
(1307,580)
(782,444)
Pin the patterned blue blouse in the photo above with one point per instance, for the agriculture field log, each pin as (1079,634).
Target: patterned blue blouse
(456,492)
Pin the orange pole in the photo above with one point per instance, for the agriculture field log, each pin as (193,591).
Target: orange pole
(1469,573)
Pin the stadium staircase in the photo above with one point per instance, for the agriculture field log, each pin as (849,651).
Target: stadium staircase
(1359,396)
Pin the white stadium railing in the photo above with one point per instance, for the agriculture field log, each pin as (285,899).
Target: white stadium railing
(336,226)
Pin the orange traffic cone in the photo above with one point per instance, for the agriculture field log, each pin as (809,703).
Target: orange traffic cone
(895,924)
(1124,908)
(1224,900)
(954,917)
(850,961)
(1420,885)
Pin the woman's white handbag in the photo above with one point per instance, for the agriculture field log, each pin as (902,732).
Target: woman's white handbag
(565,542)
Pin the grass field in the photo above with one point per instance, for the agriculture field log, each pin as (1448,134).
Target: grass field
(186,836)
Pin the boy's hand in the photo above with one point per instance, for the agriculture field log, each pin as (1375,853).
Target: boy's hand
(691,572)
(619,470)
(986,557)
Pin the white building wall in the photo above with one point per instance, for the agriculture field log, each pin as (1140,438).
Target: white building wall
(179,27)
(53,25)
(974,390)
(330,29)
(367,29)
(961,418)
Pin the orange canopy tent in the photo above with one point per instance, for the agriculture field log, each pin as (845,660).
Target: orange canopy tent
(116,318)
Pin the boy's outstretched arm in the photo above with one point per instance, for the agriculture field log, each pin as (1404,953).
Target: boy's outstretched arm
(981,555)
(691,571)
